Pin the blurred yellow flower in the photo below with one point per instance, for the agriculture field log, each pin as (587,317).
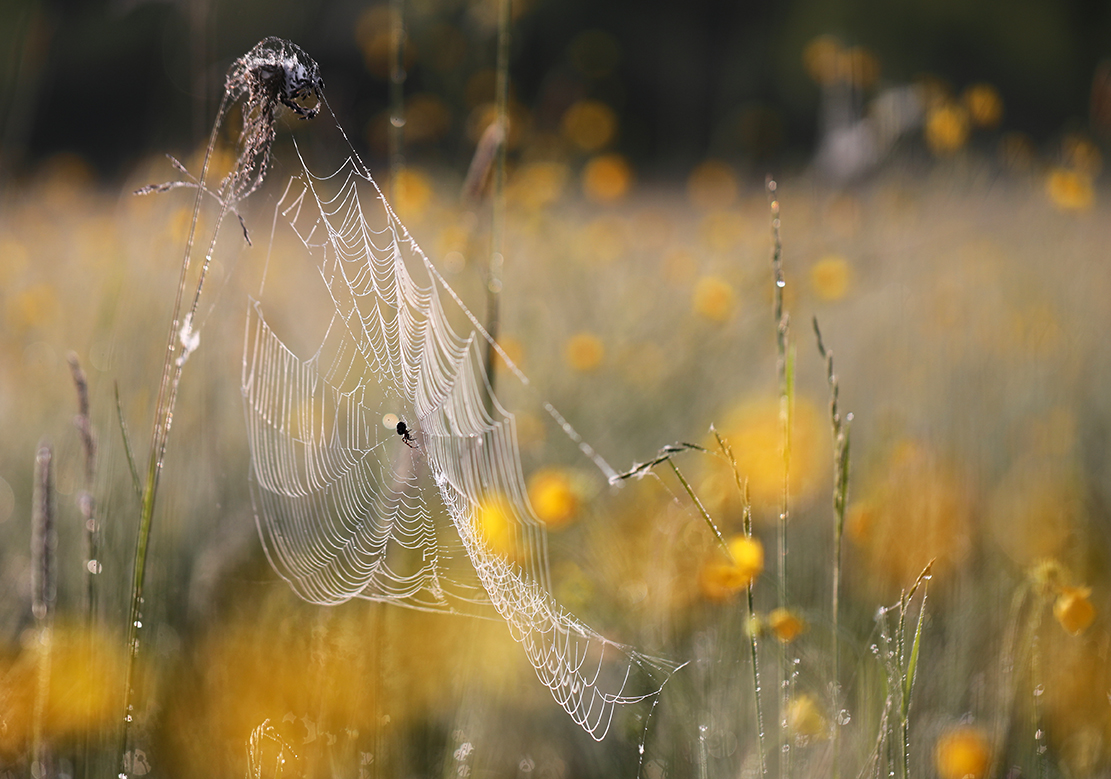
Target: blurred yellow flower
(785,625)
(963,753)
(753,431)
(584,351)
(410,194)
(719,579)
(984,105)
(829,277)
(712,185)
(538,184)
(919,496)
(606,178)
(822,59)
(1036,508)
(86,669)
(748,554)
(946,129)
(513,350)
(804,718)
(553,496)
(589,124)
(497,525)
(1069,190)
(714,298)
(1073,609)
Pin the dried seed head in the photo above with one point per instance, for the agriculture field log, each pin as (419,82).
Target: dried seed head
(274,71)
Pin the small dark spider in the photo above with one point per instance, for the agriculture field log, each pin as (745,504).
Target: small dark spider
(406,435)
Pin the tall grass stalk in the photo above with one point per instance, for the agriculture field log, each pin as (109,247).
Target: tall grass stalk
(86,504)
(160,434)
(396,130)
(908,663)
(840,428)
(1041,749)
(785,374)
(750,610)
(273,72)
(497,226)
(43,590)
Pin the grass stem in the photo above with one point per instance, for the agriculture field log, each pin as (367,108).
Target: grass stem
(173,363)
(43,591)
(750,608)
(497,227)
(785,374)
(396,129)
(840,429)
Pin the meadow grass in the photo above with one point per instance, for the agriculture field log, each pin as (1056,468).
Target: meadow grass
(974,372)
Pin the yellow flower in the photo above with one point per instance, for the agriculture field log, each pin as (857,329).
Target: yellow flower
(946,129)
(829,277)
(719,579)
(80,697)
(584,352)
(963,753)
(714,298)
(606,178)
(1069,190)
(553,497)
(411,194)
(985,106)
(753,430)
(748,555)
(803,717)
(498,527)
(917,495)
(1073,609)
(589,124)
(538,184)
(785,625)
(822,59)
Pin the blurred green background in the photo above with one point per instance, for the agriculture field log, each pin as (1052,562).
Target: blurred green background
(113,80)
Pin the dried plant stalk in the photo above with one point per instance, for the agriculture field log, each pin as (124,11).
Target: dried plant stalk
(274,72)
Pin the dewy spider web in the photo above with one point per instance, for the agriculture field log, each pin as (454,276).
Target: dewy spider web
(346,509)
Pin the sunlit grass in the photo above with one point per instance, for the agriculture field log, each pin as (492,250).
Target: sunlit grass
(968,336)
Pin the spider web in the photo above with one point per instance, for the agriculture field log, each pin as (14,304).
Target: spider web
(347,509)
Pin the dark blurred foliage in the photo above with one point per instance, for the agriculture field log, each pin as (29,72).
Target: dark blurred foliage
(113,79)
